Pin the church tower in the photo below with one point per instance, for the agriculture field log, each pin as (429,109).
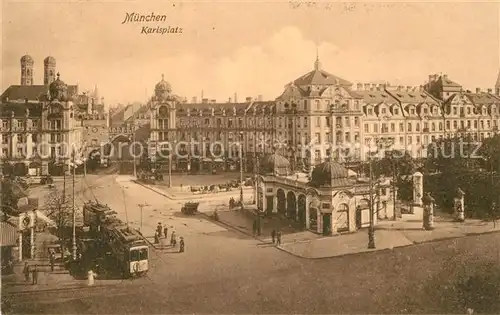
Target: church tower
(317,63)
(49,70)
(27,70)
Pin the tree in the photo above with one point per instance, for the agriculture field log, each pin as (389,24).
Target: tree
(60,210)
(11,192)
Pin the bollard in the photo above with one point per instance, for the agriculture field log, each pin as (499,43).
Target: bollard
(90,277)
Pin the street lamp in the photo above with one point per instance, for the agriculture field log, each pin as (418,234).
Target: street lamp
(241,169)
(141,206)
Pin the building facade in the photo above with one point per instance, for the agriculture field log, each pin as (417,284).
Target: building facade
(42,126)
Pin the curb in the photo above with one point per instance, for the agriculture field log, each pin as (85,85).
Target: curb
(68,288)
(193,197)
(232,227)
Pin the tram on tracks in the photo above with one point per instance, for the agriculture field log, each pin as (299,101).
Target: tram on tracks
(125,245)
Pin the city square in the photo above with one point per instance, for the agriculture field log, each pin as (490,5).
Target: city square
(272,158)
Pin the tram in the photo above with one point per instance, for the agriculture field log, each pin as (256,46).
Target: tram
(128,249)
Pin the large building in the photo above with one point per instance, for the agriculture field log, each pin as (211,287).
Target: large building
(44,127)
(318,113)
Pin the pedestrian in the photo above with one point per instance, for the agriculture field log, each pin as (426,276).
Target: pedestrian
(26,272)
(181,245)
(278,238)
(35,275)
(254,227)
(165,231)
(273,235)
(157,238)
(173,239)
(159,229)
(52,261)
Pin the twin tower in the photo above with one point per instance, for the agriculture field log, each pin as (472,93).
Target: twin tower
(49,70)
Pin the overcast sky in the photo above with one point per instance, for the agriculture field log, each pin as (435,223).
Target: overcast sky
(249,48)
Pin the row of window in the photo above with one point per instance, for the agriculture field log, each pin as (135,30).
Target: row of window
(384,127)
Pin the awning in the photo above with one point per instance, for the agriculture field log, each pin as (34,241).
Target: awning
(207,160)
(8,234)
(41,216)
(219,160)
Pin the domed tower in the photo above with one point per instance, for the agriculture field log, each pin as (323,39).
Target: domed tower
(58,90)
(49,70)
(162,89)
(27,70)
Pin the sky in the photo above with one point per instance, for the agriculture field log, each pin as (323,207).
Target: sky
(249,48)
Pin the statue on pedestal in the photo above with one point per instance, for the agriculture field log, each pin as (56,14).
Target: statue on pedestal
(428,220)
(459,205)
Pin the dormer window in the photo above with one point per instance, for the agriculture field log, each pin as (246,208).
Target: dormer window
(396,111)
(370,111)
(412,111)
(426,110)
(383,111)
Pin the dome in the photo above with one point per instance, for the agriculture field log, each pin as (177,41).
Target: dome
(58,89)
(27,59)
(163,86)
(275,164)
(49,60)
(329,173)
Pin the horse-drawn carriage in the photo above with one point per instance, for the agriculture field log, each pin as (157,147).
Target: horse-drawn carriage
(190,208)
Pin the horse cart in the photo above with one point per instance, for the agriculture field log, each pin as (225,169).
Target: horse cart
(190,208)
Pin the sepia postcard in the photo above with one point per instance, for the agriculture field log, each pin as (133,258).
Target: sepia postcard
(250,157)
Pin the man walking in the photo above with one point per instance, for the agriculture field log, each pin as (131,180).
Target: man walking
(273,235)
(173,239)
(159,229)
(26,272)
(165,231)
(52,261)
(181,245)
(278,238)
(35,275)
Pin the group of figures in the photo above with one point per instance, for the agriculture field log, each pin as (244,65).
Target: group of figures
(428,203)
(173,237)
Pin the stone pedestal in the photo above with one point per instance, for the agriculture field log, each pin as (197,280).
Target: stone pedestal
(418,188)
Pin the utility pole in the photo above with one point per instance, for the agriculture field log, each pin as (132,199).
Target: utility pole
(133,141)
(371,229)
(241,170)
(394,178)
(74,210)
(170,167)
(141,206)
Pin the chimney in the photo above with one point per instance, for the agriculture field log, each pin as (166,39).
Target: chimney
(431,78)
(379,87)
(229,100)
(235,98)
(445,77)
(408,88)
(248,99)
(194,100)
(260,98)
(204,101)
(478,90)
(359,86)
(414,88)
(490,91)
(367,86)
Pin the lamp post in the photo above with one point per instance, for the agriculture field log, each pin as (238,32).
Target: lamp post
(74,209)
(241,169)
(141,206)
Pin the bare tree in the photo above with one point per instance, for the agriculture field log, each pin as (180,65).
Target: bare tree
(59,209)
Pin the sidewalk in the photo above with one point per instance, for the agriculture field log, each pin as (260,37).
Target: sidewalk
(189,195)
(388,235)
(59,279)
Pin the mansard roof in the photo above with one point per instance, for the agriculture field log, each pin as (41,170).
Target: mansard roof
(320,77)
(32,92)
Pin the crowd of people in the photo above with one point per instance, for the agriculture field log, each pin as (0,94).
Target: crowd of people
(163,231)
